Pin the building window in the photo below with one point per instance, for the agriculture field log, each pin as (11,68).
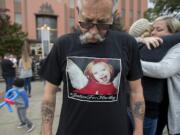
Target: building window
(123,3)
(139,9)
(17,1)
(123,11)
(17,5)
(139,4)
(18,18)
(123,16)
(131,15)
(115,1)
(51,22)
(71,15)
(2,4)
(17,12)
(116,4)
(71,4)
(72,24)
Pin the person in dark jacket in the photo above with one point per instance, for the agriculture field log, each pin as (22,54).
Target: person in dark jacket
(8,71)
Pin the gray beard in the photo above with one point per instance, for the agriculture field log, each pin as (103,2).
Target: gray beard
(84,38)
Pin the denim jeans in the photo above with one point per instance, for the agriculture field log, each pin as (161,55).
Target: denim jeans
(23,116)
(9,82)
(27,85)
(150,125)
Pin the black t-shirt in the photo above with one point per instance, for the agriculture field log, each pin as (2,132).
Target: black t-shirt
(94,75)
(7,68)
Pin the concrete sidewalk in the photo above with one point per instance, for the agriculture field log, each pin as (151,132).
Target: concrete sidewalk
(9,121)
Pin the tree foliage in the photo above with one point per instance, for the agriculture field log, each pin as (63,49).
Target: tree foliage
(162,7)
(11,35)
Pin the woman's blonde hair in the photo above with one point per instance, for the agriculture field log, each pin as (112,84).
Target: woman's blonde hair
(25,56)
(172,23)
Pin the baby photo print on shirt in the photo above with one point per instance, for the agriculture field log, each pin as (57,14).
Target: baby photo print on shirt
(93,79)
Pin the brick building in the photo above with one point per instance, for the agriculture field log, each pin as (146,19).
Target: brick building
(60,15)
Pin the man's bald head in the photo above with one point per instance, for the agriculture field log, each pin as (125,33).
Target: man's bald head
(108,3)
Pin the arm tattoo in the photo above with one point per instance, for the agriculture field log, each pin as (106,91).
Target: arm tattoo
(138,110)
(47,111)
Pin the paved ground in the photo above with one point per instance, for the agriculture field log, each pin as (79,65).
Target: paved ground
(9,121)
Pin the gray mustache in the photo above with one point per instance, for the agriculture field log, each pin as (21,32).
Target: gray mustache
(84,38)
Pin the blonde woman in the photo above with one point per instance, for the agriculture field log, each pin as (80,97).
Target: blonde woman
(25,68)
(97,79)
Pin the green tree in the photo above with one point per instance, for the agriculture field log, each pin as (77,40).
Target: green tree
(162,7)
(11,35)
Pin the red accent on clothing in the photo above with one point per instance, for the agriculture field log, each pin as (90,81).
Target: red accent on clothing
(95,88)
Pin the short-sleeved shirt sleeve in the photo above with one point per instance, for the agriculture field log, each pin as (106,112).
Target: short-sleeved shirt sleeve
(135,69)
(51,68)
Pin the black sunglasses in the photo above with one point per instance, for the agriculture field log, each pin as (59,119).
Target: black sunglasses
(89,25)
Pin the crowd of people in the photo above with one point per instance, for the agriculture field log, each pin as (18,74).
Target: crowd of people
(106,71)
(160,69)
(10,65)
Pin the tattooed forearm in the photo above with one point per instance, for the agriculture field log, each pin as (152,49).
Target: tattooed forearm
(138,110)
(47,111)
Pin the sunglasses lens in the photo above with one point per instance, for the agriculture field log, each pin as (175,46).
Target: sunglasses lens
(103,26)
(86,25)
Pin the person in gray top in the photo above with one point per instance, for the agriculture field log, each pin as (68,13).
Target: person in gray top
(168,67)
